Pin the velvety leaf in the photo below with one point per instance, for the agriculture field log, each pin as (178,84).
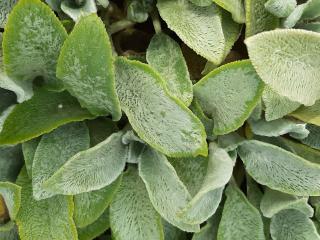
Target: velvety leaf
(201,3)
(170,128)
(206,201)
(294,17)
(89,206)
(229,94)
(167,193)
(91,169)
(165,56)
(254,193)
(279,169)
(171,232)
(138,10)
(276,56)
(273,202)
(131,212)
(31,43)
(277,106)
(308,114)
(53,151)
(258,19)
(313,139)
(87,8)
(41,114)
(88,72)
(29,149)
(46,219)
(292,225)
(280,8)
(198,27)
(279,127)
(11,161)
(240,220)
(11,194)
(235,7)
(5,8)
(95,229)
(230,142)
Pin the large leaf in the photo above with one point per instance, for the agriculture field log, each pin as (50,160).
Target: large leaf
(277,106)
(280,8)
(279,169)
(165,56)
(41,114)
(89,206)
(292,225)
(240,220)
(229,94)
(258,19)
(308,114)
(278,59)
(159,119)
(53,151)
(31,43)
(11,161)
(85,67)
(206,201)
(91,169)
(273,202)
(166,191)
(235,7)
(190,21)
(5,8)
(29,149)
(46,219)
(131,212)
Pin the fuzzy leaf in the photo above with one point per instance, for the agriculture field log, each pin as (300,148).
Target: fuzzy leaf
(170,128)
(295,16)
(76,13)
(277,106)
(278,59)
(229,94)
(89,206)
(41,114)
(165,56)
(258,19)
(91,169)
(29,149)
(308,114)
(131,212)
(235,7)
(280,8)
(11,194)
(53,151)
(313,139)
(5,8)
(31,43)
(279,169)
(88,72)
(199,27)
(240,220)
(46,219)
(166,191)
(11,161)
(292,225)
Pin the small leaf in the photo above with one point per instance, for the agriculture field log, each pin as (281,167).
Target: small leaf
(131,212)
(292,225)
(167,193)
(87,72)
(91,169)
(89,206)
(295,16)
(308,114)
(29,149)
(77,12)
(170,128)
(276,56)
(53,151)
(280,8)
(277,106)
(51,217)
(41,114)
(258,19)
(11,161)
(229,94)
(206,201)
(11,194)
(240,220)
(5,9)
(279,169)
(138,11)
(172,67)
(95,229)
(31,43)
(235,7)
(274,202)
(190,21)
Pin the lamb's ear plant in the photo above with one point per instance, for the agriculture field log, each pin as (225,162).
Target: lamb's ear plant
(160,119)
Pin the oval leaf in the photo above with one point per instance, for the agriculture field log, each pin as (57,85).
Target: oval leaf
(235,7)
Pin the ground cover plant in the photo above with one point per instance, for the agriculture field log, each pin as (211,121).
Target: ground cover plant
(160,119)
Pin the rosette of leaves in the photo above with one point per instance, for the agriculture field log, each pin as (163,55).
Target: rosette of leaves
(161,119)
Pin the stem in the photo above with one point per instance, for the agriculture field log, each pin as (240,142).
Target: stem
(120,25)
(156,21)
